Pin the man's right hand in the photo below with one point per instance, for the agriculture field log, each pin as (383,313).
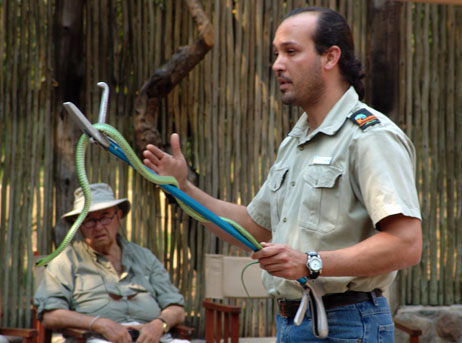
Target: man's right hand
(165,164)
(168,165)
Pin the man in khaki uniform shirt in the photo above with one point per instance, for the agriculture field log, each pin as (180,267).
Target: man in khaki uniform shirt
(330,188)
(340,203)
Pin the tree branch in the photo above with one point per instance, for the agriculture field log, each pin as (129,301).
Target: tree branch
(168,76)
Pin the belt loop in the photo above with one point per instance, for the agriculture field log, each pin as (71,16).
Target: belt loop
(374,298)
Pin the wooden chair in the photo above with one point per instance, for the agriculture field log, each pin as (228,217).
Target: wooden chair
(223,281)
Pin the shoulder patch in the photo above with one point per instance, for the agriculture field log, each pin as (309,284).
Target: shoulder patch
(363,118)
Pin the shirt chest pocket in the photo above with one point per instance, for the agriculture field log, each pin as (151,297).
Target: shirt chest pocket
(321,198)
(276,185)
(90,294)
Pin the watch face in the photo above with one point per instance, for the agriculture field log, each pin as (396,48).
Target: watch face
(315,264)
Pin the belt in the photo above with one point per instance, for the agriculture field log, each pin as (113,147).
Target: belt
(288,308)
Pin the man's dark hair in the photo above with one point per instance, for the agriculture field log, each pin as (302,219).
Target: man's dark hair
(332,29)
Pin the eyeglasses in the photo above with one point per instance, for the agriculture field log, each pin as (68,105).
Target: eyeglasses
(105,220)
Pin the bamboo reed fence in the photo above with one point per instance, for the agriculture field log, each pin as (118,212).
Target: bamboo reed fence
(228,114)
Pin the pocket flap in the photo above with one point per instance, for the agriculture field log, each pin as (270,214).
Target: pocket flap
(277,178)
(322,176)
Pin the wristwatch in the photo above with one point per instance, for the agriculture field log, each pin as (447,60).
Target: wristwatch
(164,324)
(314,264)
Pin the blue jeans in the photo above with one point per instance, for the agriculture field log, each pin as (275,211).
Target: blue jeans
(364,322)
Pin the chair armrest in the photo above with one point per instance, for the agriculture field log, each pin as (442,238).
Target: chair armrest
(182,331)
(412,330)
(18,332)
(79,334)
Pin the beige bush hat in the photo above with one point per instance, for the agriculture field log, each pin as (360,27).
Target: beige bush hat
(102,197)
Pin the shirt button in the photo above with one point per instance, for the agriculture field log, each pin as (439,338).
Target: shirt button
(284,219)
(292,183)
(300,147)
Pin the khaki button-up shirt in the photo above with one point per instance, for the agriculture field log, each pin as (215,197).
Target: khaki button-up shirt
(82,280)
(329,188)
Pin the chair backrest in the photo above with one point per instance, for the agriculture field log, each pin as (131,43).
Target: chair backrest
(38,271)
(223,277)
(44,335)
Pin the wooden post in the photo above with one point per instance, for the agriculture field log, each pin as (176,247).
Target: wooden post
(69,75)
(382,61)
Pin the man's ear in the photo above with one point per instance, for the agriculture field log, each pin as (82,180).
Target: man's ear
(331,57)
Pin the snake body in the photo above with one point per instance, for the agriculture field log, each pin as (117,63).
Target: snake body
(136,163)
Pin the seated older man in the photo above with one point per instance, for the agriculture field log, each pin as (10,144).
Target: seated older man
(105,284)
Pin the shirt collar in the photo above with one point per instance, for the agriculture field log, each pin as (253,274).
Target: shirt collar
(331,123)
(123,243)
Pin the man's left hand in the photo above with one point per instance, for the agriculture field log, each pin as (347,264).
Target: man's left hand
(150,332)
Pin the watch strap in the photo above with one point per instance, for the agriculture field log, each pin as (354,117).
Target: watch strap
(164,324)
(313,274)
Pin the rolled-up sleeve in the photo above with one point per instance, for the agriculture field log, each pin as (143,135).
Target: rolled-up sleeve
(166,292)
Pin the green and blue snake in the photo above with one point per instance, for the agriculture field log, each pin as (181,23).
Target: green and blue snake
(136,163)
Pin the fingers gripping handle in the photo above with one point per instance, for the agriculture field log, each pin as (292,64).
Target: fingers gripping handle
(312,294)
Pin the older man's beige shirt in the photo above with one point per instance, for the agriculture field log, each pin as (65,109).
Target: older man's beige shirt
(82,280)
(328,190)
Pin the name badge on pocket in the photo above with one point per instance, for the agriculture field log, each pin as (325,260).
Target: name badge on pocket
(326,160)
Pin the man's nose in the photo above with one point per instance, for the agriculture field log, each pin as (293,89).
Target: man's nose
(98,224)
(278,64)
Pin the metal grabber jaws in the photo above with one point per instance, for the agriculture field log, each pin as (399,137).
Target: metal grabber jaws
(312,295)
(84,123)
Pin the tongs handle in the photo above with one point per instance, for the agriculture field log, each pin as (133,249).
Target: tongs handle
(85,125)
(312,294)
(104,102)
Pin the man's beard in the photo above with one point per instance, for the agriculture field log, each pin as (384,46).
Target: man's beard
(311,93)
